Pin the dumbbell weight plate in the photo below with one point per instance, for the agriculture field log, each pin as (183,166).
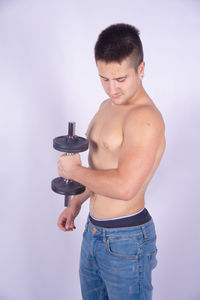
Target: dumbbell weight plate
(73,144)
(66,187)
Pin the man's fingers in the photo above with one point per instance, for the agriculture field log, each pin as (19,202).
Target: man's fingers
(66,222)
(70,224)
(62,227)
(61,223)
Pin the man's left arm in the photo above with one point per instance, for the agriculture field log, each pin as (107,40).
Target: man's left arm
(143,131)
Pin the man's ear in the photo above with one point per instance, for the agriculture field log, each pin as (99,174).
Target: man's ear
(141,68)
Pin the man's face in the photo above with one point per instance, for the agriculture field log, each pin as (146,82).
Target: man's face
(120,80)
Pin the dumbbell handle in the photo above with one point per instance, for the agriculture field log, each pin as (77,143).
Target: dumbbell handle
(71,134)
(67,202)
(71,129)
(68,198)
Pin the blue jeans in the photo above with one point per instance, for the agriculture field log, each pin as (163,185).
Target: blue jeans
(116,263)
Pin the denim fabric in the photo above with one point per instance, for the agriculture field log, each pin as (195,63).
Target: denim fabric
(116,263)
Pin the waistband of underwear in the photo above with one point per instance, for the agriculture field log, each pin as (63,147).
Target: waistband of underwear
(139,218)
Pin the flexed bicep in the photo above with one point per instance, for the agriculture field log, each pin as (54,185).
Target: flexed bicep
(142,137)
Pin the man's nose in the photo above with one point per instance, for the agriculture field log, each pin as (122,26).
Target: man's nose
(113,87)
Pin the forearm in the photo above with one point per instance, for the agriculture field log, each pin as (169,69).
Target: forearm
(81,198)
(104,182)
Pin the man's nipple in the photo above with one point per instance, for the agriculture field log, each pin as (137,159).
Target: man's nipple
(106,146)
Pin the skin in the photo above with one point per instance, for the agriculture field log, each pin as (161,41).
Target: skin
(126,144)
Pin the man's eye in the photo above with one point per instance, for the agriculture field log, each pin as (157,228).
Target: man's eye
(105,79)
(121,80)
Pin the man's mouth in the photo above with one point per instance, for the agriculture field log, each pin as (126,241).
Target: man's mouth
(115,96)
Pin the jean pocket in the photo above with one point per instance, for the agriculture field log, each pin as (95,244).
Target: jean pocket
(123,248)
(152,259)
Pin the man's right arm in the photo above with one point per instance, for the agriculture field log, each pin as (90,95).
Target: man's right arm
(81,198)
(66,218)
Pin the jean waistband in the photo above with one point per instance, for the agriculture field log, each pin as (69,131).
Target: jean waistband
(127,221)
(101,232)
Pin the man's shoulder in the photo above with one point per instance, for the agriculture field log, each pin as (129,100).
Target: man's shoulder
(145,115)
(144,112)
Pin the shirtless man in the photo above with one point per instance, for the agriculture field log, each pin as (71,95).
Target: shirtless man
(126,143)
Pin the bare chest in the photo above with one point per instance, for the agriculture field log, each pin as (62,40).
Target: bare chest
(106,130)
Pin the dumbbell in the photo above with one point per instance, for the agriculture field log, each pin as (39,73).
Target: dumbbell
(70,144)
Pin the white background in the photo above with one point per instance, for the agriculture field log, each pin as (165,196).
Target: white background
(47,78)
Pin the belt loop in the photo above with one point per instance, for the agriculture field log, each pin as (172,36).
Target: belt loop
(104,235)
(144,232)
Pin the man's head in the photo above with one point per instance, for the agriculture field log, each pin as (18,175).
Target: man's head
(118,42)
(119,58)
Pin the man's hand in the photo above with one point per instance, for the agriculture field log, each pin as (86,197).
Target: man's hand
(67,165)
(66,218)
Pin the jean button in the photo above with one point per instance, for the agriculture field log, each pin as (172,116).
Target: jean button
(94,230)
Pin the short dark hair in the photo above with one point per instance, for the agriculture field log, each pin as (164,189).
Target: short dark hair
(117,42)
